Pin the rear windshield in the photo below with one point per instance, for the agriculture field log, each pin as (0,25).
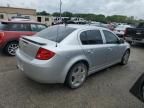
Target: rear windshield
(56,33)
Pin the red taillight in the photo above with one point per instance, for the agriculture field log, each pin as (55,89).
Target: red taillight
(44,54)
(1,36)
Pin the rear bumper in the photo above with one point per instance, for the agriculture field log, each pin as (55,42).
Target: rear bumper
(40,71)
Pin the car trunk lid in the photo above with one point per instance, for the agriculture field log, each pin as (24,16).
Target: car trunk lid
(31,45)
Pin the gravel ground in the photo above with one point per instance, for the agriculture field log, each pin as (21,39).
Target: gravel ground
(106,89)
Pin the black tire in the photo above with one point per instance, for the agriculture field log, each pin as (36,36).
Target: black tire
(125,57)
(10,48)
(70,78)
(142,92)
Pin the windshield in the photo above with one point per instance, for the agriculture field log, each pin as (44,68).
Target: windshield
(56,33)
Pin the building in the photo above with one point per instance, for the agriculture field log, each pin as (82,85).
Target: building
(11,12)
(48,20)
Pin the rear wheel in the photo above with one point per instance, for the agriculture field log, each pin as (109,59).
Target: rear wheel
(11,48)
(77,75)
(125,57)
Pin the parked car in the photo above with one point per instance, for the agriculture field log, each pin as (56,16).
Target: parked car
(11,31)
(138,88)
(135,35)
(68,54)
(121,29)
(99,25)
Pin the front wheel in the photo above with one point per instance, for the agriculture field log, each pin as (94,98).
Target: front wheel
(77,75)
(11,48)
(125,57)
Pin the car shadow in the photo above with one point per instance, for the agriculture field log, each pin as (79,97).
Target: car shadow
(136,45)
(4,55)
(39,87)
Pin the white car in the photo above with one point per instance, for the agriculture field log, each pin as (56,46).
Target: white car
(120,30)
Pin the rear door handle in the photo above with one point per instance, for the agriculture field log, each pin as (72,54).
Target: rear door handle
(90,51)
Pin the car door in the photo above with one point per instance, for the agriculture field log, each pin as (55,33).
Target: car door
(92,45)
(114,48)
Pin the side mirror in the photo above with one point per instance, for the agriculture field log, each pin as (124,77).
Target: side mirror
(121,41)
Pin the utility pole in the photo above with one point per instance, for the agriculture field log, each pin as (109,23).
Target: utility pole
(60,10)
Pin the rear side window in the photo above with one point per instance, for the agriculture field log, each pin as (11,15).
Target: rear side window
(91,37)
(83,37)
(56,33)
(15,27)
(3,26)
(26,27)
(19,27)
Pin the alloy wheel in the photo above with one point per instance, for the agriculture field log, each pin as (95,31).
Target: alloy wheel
(78,76)
(126,57)
(12,48)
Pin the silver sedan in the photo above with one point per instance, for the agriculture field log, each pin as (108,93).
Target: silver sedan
(69,53)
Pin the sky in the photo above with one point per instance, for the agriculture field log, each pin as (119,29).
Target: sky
(106,7)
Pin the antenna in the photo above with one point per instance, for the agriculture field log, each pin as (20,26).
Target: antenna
(58,25)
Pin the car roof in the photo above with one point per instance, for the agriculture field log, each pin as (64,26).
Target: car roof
(78,26)
(34,22)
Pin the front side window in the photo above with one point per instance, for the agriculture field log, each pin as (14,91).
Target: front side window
(110,37)
(91,37)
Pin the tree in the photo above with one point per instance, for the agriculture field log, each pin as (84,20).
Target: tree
(43,13)
(56,14)
(117,18)
(67,14)
(100,18)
